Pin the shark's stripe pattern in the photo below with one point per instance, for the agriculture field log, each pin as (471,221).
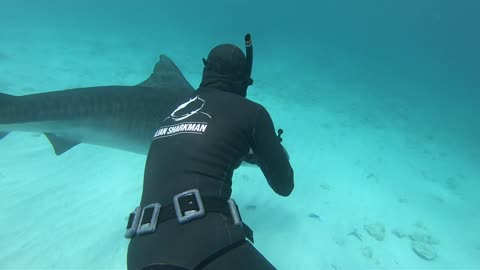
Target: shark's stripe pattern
(123,117)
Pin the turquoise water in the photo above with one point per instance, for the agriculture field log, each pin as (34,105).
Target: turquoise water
(378,100)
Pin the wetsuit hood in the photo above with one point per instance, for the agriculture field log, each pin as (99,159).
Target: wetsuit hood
(226,69)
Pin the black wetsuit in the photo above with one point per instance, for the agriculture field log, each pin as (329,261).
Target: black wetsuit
(199,146)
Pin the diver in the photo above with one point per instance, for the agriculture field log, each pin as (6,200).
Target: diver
(186,219)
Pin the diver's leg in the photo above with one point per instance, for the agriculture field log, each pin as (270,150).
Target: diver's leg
(243,256)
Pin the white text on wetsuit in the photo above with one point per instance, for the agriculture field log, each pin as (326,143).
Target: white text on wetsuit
(190,127)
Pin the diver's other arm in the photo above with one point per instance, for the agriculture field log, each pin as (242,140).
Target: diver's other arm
(250,157)
(270,155)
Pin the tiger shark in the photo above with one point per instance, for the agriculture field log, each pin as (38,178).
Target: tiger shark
(120,117)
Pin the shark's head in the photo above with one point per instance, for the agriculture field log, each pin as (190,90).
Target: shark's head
(227,69)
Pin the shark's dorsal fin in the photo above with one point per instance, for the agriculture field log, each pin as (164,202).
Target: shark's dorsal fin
(166,75)
(60,145)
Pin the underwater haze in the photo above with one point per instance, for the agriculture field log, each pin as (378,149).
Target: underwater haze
(379,101)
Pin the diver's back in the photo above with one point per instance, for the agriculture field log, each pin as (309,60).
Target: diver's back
(199,145)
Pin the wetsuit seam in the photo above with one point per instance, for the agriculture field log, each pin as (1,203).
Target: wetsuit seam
(254,128)
(221,189)
(229,168)
(227,228)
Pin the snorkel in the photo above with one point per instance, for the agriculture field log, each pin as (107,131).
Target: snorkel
(249,52)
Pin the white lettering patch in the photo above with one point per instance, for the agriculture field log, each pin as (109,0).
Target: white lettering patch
(190,127)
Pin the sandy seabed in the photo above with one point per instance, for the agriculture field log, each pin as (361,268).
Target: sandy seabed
(379,184)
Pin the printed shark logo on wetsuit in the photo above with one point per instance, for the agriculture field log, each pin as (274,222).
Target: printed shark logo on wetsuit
(182,112)
(187,109)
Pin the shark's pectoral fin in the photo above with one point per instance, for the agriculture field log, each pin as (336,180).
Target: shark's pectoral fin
(167,75)
(3,134)
(60,145)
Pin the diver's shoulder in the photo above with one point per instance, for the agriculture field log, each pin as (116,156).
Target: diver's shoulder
(251,102)
(252,105)
(239,99)
(231,98)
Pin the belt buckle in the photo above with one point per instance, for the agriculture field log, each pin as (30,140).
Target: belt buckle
(187,216)
(237,220)
(149,212)
(132,225)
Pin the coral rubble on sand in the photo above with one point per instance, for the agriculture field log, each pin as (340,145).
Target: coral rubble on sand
(376,230)
(422,243)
